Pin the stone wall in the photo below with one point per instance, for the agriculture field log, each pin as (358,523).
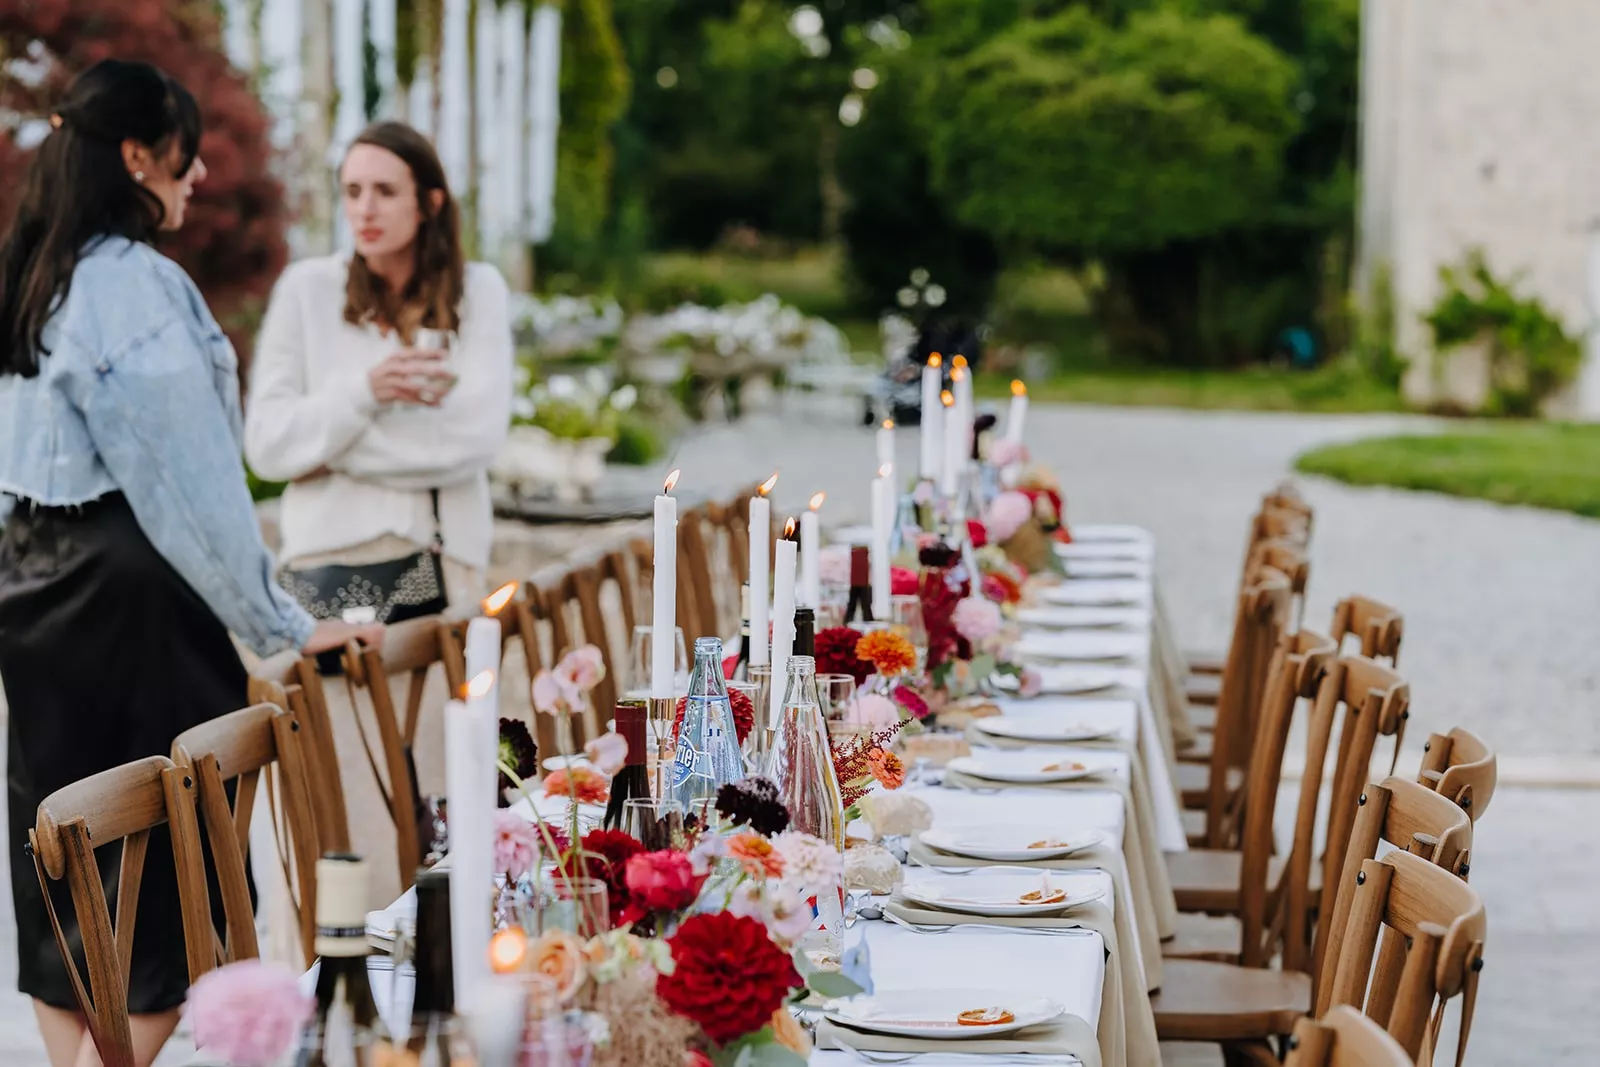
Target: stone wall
(1481,126)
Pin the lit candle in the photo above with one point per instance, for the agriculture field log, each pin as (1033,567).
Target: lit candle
(950,470)
(932,426)
(886,443)
(470,778)
(663,620)
(961,385)
(483,648)
(882,520)
(1018,415)
(760,571)
(811,554)
(783,568)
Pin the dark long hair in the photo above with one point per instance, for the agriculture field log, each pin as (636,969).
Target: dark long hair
(432,298)
(79,189)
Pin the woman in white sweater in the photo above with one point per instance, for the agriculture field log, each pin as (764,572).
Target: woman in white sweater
(380,378)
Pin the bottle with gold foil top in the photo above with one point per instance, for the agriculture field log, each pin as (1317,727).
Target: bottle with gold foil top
(347,1030)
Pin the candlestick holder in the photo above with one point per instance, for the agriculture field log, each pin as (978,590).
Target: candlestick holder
(663,713)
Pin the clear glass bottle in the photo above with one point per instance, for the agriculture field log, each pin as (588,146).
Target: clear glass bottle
(436,1036)
(707,756)
(802,768)
(347,1030)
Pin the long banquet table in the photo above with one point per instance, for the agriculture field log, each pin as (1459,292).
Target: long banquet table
(1070,967)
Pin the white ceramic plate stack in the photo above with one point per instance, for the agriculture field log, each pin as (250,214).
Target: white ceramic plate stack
(1018,728)
(1002,895)
(1080,646)
(933,1013)
(1025,768)
(1068,617)
(1073,678)
(1010,844)
(1100,593)
(1107,568)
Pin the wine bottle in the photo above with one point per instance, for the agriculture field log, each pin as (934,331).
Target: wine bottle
(633,781)
(805,632)
(347,1030)
(707,755)
(436,1037)
(741,667)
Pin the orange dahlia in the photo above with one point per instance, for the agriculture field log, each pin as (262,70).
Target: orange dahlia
(588,786)
(756,855)
(887,768)
(888,652)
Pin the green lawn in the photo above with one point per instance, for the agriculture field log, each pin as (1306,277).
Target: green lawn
(1334,388)
(1546,465)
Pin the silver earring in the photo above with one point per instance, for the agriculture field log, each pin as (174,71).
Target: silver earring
(138,176)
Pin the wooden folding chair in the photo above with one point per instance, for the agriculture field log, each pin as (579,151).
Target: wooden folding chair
(1461,767)
(1404,816)
(1433,928)
(410,648)
(1344,1038)
(1376,626)
(1249,883)
(292,681)
(256,749)
(697,600)
(123,804)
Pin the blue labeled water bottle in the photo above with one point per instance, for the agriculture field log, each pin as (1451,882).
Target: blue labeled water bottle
(707,756)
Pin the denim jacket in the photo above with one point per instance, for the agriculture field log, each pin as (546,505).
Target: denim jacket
(139,395)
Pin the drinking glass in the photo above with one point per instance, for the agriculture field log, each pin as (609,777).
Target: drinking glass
(656,822)
(761,735)
(751,747)
(905,617)
(838,697)
(576,905)
(560,1039)
(639,676)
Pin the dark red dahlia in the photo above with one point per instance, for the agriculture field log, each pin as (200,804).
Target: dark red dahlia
(729,976)
(605,857)
(836,653)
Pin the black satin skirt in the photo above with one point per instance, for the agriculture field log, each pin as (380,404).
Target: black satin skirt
(107,655)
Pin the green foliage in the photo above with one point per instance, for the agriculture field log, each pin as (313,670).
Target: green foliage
(1539,464)
(1375,348)
(1068,133)
(637,445)
(1531,355)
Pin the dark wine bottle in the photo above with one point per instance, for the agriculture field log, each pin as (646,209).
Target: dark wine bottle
(741,666)
(347,1030)
(633,781)
(436,1038)
(805,632)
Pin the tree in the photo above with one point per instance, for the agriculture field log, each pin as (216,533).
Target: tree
(233,240)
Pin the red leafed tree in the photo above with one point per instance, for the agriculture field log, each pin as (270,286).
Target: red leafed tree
(232,242)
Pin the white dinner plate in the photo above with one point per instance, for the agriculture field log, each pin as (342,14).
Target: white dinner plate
(1009,844)
(1120,550)
(1071,679)
(1107,568)
(1028,728)
(1084,646)
(1033,769)
(1000,898)
(1094,594)
(1068,617)
(932,1013)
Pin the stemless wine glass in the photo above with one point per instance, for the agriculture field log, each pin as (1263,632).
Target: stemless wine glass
(750,747)
(905,618)
(639,669)
(577,905)
(655,822)
(761,734)
(838,697)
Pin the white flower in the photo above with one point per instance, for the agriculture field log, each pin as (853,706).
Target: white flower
(907,297)
(705,852)
(624,398)
(935,295)
(786,913)
(919,277)
(808,862)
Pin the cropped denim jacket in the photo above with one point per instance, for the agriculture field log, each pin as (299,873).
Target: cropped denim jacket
(139,394)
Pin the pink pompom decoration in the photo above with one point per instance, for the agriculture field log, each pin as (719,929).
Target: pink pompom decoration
(248,1013)
(874,711)
(1006,515)
(833,565)
(516,844)
(976,619)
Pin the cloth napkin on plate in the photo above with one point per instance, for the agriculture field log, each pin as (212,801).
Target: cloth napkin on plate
(1067,1035)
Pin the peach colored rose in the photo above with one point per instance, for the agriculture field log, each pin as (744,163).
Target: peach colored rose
(788,1032)
(756,855)
(559,956)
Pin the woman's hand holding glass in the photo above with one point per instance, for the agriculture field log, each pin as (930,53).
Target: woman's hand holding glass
(412,376)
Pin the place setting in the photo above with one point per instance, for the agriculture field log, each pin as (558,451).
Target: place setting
(1056,616)
(1084,646)
(997,769)
(1100,593)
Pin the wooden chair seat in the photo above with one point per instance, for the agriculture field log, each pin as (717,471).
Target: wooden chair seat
(1203,718)
(1194,827)
(1209,662)
(1207,879)
(1193,781)
(1203,689)
(1204,1001)
(1205,937)
(1199,750)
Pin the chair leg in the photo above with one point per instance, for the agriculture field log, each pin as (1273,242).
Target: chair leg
(1249,1054)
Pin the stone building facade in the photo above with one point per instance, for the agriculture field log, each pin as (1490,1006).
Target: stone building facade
(1481,128)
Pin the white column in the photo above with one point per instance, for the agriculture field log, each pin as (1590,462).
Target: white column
(384,34)
(348,42)
(544,116)
(490,150)
(451,140)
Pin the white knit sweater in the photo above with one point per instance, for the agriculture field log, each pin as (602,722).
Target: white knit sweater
(310,407)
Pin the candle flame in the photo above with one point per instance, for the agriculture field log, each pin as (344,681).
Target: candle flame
(959,361)
(1019,387)
(672,481)
(507,950)
(936,360)
(817,499)
(886,470)
(766,487)
(888,424)
(481,683)
(788,528)
(495,601)
(947,398)
(958,373)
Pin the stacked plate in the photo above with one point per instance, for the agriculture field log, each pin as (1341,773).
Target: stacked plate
(954,1014)
(1009,844)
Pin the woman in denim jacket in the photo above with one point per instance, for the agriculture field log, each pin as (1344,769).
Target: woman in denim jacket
(131,548)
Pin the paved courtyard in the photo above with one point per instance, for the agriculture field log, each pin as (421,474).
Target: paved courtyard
(1501,636)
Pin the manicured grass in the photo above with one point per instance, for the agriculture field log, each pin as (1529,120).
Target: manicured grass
(1546,465)
(1337,387)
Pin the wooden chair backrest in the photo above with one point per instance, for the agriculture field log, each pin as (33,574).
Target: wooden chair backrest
(1407,817)
(257,749)
(697,599)
(1344,1038)
(1298,668)
(292,681)
(411,648)
(1376,625)
(1436,925)
(1458,765)
(1261,620)
(123,804)
(1289,558)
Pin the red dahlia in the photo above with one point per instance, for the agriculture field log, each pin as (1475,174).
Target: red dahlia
(836,653)
(605,857)
(729,976)
(744,714)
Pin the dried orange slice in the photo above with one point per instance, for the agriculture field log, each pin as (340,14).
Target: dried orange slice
(985,1017)
(1039,896)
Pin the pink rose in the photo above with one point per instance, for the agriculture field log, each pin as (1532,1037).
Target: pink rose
(516,844)
(608,752)
(976,619)
(1009,512)
(582,668)
(248,1013)
(1008,453)
(874,711)
(663,881)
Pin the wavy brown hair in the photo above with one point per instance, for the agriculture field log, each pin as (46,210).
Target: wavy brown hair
(432,298)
